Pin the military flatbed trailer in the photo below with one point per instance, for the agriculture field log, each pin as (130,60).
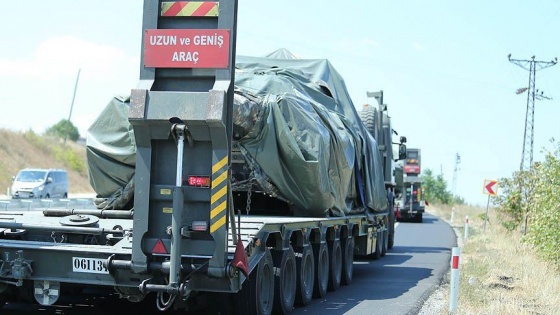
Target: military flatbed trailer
(81,248)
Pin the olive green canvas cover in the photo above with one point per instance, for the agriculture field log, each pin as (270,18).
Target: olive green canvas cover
(309,139)
(111,155)
(294,118)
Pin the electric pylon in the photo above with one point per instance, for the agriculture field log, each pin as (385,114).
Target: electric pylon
(528,137)
(454,184)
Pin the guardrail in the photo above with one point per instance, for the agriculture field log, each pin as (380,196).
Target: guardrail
(32,204)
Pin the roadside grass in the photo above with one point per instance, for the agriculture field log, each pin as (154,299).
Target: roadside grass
(27,149)
(499,273)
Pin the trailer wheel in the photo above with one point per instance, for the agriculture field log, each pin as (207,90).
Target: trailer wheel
(380,243)
(348,260)
(385,243)
(418,217)
(391,241)
(285,281)
(257,293)
(335,263)
(321,253)
(305,275)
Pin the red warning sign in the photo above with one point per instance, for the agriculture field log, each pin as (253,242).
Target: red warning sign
(186,48)
(489,188)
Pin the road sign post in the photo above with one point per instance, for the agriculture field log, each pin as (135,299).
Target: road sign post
(490,188)
(454,283)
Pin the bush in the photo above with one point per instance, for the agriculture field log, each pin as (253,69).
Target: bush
(64,129)
(544,231)
(435,188)
(531,199)
(70,158)
(510,204)
(64,154)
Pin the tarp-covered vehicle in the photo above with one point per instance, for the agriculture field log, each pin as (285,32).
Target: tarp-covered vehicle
(297,134)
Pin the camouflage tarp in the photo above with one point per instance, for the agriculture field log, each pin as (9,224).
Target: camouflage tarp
(294,118)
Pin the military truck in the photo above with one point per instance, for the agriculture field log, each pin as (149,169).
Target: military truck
(251,181)
(411,204)
(378,123)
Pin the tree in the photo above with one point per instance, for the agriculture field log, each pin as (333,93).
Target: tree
(530,200)
(64,129)
(435,188)
(510,203)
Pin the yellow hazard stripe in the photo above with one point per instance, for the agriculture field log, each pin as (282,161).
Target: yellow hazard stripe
(218,224)
(216,167)
(218,180)
(217,195)
(220,208)
(218,201)
(190,8)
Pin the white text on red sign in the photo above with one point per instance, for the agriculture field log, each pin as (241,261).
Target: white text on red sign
(177,48)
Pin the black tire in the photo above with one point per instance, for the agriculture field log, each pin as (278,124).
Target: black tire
(378,246)
(285,280)
(385,242)
(347,260)
(392,219)
(257,293)
(48,196)
(305,264)
(221,308)
(368,115)
(8,293)
(335,265)
(380,243)
(418,218)
(321,253)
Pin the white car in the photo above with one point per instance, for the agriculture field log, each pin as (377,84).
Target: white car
(40,183)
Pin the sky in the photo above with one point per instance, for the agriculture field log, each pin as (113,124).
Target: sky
(442,66)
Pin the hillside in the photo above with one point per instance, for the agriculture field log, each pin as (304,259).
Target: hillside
(29,150)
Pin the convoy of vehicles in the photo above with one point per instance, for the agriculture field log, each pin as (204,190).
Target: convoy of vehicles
(248,180)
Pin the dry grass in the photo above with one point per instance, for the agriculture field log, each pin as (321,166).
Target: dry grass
(499,273)
(17,152)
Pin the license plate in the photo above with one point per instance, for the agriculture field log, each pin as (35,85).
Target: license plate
(89,265)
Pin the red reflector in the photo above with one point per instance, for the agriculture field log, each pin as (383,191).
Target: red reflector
(199,226)
(159,248)
(199,181)
(455,262)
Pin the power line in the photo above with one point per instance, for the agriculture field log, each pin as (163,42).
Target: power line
(528,137)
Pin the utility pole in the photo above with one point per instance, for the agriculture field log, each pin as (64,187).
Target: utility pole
(528,137)
(72,105)
(454,184)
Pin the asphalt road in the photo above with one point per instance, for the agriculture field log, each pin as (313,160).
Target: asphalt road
(394,284)
(398,282)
